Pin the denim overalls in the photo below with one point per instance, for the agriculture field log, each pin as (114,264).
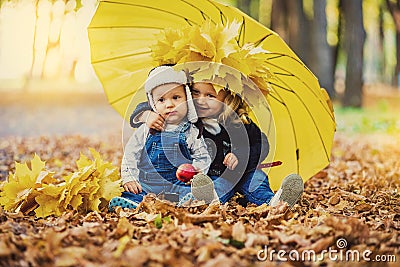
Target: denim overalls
(161,157)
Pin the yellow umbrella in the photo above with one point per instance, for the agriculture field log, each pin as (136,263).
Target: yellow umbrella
(123,32)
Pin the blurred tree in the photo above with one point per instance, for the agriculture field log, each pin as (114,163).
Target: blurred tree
(289,21)
(244,5)
(279,15)
(264,11)
(322,62)
(58,36)
(35,41)
(336,48)
(354,38)
(306,34)
(250,7)
(299,33)
(380,41)
(394,8)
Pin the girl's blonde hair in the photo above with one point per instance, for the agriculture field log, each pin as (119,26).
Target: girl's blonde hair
(234,103)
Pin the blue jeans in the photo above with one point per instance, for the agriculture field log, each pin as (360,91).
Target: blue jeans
(253,185)
(161,156)
(134,197)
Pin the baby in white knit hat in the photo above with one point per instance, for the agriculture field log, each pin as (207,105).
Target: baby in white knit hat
(151,159)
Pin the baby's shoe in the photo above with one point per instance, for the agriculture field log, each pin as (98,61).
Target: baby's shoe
(291,189)
(188,198)
(203,188)
(122,202)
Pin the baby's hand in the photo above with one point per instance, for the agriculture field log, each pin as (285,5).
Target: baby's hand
(133,187)
(230,161)
(153,120)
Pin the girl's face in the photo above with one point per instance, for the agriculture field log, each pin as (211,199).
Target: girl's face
(208,103)
(170,102)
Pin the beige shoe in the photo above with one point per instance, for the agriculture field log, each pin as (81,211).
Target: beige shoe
(291,189)
(203,188)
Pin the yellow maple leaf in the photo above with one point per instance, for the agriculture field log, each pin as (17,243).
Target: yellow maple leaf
(93,184)
(170,46)
(110,189)
(83,161)
(206,42)
(236,61)
(74,184)
(76,201)
(20,190)
(201,43)
(214,41)
(48,205)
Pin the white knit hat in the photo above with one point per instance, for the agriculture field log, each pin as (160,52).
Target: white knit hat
(164,75)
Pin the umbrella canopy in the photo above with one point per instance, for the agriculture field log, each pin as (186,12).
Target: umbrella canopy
(123,32)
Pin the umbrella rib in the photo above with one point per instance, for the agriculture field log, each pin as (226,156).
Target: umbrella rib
(282,87)
(119,57)
(262,39)
(275,57)
(223,17)
(292,124)
(283,74)
(274,97)
(204,15)
(279,55)
(241,32)
(309,113)
(240,38)
(291,74)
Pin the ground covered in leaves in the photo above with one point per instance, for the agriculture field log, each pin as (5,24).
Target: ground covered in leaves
(350,210)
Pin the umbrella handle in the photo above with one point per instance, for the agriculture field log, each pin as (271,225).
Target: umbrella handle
(269,164)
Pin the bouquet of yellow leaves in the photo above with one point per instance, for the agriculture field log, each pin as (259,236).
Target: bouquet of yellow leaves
(215,43)
(90,188)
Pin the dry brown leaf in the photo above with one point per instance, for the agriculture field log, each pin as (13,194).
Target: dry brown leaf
(124,227)
(239,232)
(206,251)
(320,245)
(334,200)
(221,260)
(366,215)
(200,218)
(294,238)
(362,206)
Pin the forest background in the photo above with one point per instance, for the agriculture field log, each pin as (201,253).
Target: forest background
(52,105)
(347,44)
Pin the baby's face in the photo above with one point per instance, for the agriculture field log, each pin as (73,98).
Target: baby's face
(170,102)
(208,103)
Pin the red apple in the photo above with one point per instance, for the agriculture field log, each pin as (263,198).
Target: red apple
(186,172)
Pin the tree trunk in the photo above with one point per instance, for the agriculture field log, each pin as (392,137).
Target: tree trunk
(322,63)
(279,14)
(339,36)
(31,74)
(264,12)
(299,37)
(244,5)
(381,49)
(354,38)
(395,11)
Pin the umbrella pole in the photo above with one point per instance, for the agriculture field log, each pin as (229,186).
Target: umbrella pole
(269,164)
